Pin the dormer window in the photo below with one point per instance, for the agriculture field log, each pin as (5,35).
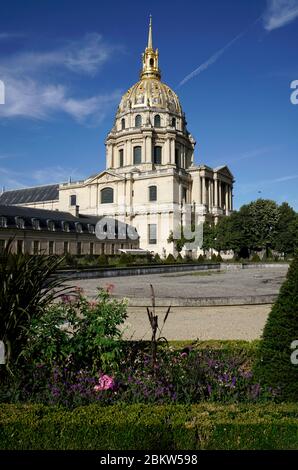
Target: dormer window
(20,223)
(65,226)
(51,225)
(35,224)
(91,228)
(79,227)
(3,222)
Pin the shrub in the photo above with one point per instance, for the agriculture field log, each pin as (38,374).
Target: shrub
(214,257)
(255,258)
(103,260)
(157,259)
(170,259)
(27,287)
(139,427)
(79,332)
(274,366)
(179,259)
(201,259)
(219,258)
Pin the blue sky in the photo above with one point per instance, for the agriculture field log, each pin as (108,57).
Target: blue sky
(65,65)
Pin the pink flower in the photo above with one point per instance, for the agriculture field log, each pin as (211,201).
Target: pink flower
(92,304)
(105,383)
(66,299)
(110,288)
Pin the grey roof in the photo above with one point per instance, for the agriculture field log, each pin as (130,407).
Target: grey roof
(49,192)
(28,214)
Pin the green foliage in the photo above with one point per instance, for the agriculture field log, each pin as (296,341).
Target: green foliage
(209,235)
(27,287)
(81,332)
(103,260)
(170,259)
(274,366)
(255,258)
(219,258)
(201,259)
(159,427)
(286,238)
(157,259)
(214,257)
(179,259)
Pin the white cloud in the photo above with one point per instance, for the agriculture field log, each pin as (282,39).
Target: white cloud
(29,93)
(279,13)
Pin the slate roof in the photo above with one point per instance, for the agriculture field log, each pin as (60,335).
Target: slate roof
(49,192)
(28,214)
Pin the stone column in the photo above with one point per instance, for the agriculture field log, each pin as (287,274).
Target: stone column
(148,149)
(128,153)
(231,198)
(216,193)
(167,151)
(199,190)
(203,190)
(220,194)
(227,197)
(173,151)
(109,156)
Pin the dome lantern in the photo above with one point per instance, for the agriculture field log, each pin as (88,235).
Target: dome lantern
(150,58)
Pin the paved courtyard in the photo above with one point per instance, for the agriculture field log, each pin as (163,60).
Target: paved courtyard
(182,290)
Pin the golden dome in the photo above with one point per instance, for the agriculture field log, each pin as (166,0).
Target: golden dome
(150,92)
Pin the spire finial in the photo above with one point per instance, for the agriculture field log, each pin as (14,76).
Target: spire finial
(150,33)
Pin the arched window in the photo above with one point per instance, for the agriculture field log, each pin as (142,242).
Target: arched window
(173,122)
(137,155)
(122,123)
(152,193)
(157,155)
(107,196)
(138,120)
(151,62)
(157,120)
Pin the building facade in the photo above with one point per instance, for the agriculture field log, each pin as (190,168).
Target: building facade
(150,171)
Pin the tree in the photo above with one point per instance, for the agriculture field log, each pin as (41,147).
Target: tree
(209,235)
(274,367)
(286,230)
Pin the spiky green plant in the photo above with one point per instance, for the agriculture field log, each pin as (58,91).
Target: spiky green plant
(27,286)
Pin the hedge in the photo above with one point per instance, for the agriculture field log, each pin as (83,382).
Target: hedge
(145,427)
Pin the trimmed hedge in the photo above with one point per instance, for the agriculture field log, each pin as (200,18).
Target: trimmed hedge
(147,427)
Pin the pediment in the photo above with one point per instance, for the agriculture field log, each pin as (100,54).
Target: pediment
(105,176)
(224,171)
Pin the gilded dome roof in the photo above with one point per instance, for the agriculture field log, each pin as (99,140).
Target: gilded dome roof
(150,92)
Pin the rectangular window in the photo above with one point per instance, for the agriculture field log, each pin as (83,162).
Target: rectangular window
(121,157)
(36,247)
(65,248)
(91,249)
(20,245)
(51,248)
(79,248)
(73,200)
(102,249)
(2,246)
(157,155)
(184,194)
(177,157)
(137,155)
(152,193)
(152,234)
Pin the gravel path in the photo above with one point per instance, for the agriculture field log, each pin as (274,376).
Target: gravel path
(190,323)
